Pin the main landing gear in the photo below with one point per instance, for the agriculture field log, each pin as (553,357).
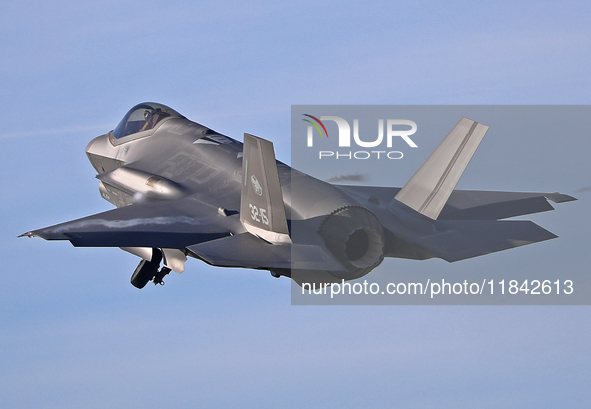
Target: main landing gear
(149,271)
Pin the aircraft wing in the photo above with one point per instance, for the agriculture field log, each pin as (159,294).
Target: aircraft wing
(473,204)
(159,224)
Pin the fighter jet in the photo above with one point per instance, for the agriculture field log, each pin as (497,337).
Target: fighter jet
(184,190)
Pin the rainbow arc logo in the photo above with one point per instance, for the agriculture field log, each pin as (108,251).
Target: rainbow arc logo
(315,124)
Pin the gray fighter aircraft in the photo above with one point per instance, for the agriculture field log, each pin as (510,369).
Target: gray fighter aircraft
(182,189)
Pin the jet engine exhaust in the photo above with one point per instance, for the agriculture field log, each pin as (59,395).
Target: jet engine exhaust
(356,238)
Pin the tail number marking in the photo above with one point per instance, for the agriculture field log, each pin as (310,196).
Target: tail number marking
(258,214)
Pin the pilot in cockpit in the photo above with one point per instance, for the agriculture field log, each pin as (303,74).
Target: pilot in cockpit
(152,117)
(143,117)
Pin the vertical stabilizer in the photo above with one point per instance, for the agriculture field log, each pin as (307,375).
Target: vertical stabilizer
(430,187)
(262,211)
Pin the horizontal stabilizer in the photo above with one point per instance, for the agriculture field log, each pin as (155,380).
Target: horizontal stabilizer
(467,239)
(247,251)
(430,187)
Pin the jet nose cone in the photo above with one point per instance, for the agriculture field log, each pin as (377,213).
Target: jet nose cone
(95,141)
(102,154)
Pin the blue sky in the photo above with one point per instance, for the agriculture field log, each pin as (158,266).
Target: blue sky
(75,333)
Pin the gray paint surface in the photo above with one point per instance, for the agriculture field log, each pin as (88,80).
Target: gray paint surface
(190,189)
(74,333)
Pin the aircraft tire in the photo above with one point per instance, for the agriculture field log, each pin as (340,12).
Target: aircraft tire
(146,270)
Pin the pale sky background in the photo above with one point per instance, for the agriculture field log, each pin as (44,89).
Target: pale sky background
(73,331)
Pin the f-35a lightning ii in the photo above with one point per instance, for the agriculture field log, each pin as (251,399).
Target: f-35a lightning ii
(182,189)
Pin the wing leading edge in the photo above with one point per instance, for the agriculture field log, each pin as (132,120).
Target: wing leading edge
(155,224)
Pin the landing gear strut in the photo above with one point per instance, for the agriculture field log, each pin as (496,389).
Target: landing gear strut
(160,275)
(148,271)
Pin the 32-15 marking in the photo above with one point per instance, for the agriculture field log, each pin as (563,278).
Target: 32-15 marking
(258,214)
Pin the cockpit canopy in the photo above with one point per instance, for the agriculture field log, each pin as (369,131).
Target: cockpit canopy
(143,117)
